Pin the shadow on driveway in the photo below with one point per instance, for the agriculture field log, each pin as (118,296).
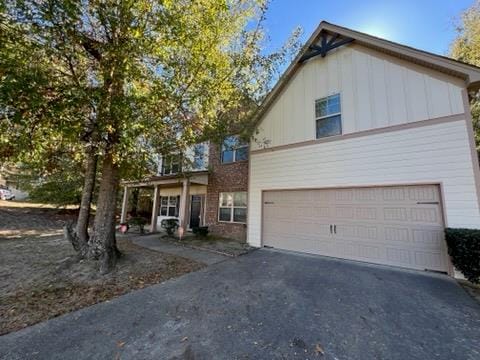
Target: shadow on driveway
(269,305)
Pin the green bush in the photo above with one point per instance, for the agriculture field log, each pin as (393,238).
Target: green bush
(170,225)
(139,222)
(200,230)
(464,250)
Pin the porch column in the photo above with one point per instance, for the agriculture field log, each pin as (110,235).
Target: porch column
(184,202)
(126,192)
(156,200)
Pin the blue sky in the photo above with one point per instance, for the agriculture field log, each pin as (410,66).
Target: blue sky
(425,24)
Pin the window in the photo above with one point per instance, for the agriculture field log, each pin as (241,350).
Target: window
(169,205)
(199,156)
(328,116)
(171,165)
(233,149)
(233,207)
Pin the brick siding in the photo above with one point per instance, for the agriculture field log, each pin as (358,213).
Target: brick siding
(229,177)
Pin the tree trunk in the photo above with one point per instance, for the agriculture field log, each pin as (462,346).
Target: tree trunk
(102,244)
(85,205)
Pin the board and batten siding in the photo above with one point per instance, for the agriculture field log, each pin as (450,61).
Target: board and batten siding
(376,90)
(433,154)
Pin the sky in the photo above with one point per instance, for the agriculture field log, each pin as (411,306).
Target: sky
(424,24)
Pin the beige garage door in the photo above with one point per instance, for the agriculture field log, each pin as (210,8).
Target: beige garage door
(395,225)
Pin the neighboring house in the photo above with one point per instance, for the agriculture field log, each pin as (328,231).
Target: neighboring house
(207,186)
(363,150)
(371,153)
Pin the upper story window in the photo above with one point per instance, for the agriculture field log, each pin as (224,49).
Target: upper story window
(328,116)
(199,161)
(171,165)
(234,149)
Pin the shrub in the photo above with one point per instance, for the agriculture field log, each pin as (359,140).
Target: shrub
(200,230)
(464,250)
(170,225)
(139,222)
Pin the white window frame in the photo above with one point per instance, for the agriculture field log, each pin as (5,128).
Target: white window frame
(170,160)
(232,207)
(328,115)
(234,150)
(168,206)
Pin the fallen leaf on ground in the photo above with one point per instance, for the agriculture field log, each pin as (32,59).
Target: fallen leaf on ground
(319,350)
(184,339)
(120,343)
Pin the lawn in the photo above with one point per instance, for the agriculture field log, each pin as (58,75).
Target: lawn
(40,278)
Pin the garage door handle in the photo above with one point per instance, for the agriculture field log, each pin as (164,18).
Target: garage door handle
(268,202)
(428,203)
(331,227)
(334,229)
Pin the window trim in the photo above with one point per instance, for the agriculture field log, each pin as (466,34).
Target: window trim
(234,150)
(168,206)
(173,159)
(328,116)
(232,208)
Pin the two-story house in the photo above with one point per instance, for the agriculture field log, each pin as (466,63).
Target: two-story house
(205,186)
(370,153)
(363,150)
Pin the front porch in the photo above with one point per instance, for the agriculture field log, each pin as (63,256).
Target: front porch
(180,196)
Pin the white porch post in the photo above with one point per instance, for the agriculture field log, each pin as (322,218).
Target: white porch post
(126,192)
(156,199)
(184,201)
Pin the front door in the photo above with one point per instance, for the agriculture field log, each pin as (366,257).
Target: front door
(195,210)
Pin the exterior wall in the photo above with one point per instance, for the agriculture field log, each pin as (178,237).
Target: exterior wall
(224,178)
(436,154)
(376,91)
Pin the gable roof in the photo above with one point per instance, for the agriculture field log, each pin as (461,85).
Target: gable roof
(467,72)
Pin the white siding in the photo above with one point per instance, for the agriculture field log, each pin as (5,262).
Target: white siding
(377,90)
(430,154)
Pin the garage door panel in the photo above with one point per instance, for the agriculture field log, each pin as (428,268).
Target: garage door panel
(385,225)
(423,193)
(430,260)
(344,212)
(394,194)
(366,232)
(312,229)
(366,213)
(344,196)
(398,256)
(425,215)
(432,238)
(396,214)
(397,234)
(367,195)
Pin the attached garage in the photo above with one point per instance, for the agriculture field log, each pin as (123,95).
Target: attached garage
(392,225)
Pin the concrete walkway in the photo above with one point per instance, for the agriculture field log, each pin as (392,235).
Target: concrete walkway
(269,305)
(154,242)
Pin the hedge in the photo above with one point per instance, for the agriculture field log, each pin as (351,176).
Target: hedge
(464,250)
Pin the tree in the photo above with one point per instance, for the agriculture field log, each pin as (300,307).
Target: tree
(146,74)
(466,48)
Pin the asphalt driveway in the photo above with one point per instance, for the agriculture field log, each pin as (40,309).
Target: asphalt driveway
(269,305)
